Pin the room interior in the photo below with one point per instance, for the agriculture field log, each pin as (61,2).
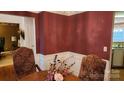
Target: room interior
(117,47)
(9,41)
(70,35)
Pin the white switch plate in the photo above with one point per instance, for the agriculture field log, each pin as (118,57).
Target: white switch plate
(105,49)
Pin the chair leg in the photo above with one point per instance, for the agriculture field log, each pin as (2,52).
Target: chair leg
(38,67)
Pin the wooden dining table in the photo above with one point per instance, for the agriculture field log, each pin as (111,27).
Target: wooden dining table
(42,76)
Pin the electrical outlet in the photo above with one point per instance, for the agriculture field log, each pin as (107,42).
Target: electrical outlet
(105,49)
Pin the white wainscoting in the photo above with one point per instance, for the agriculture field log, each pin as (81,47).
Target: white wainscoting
(71,57)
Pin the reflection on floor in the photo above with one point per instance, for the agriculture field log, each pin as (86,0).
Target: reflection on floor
(117,75)
(6,59)
(6,67)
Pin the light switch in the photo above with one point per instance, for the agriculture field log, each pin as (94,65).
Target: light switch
(105,49)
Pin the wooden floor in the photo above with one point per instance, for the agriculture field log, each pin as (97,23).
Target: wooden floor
(6,59)
(119,76)
(7,73)
(6,67)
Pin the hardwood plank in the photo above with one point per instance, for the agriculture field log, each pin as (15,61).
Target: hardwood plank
(7,73)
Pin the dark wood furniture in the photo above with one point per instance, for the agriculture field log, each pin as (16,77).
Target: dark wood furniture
(24,63)
(92,68)
(41,76)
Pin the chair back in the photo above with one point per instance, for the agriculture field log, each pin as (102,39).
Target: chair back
(92,68)
(24,63)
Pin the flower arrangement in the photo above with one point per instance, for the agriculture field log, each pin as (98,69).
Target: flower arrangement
(58,69)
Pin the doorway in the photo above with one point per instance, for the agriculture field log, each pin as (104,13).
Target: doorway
(117,63)
(25,24)
(8,41)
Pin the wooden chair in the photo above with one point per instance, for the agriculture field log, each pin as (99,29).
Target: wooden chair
(92,68)
(24,62)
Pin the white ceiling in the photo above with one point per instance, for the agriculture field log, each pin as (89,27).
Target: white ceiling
(35,11)
(67,13)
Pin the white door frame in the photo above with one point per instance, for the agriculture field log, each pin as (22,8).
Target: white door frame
(26,24)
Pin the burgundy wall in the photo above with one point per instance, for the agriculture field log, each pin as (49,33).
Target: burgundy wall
(91,31)
(85,33)
(38,34)
(78,33)
(99,33)
(62,33)
(54,29)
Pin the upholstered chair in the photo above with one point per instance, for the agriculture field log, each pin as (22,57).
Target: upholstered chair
(24,63)
(92,68)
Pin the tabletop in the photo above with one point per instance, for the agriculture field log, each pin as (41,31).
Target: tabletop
(41,76)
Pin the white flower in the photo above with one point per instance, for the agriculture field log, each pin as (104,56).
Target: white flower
(58,77)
